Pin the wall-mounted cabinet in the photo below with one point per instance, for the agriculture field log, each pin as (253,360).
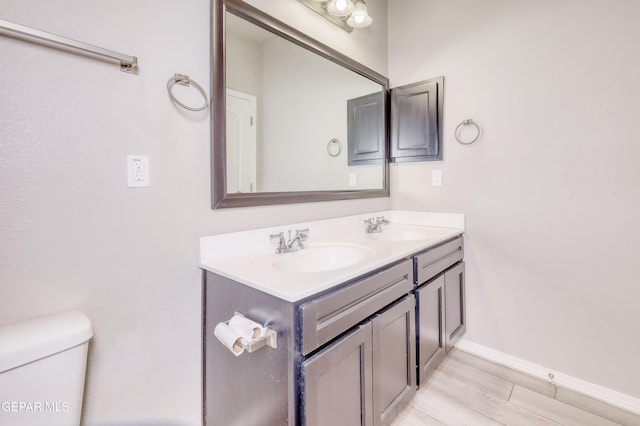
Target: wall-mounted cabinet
(416,121)
(366,131)
(415,124)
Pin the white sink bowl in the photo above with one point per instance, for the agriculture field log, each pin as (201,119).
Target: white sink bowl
(407,233)
(322,257)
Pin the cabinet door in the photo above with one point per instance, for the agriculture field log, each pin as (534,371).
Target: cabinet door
(337,382)
(430,329)
(366,129)
(455,316)
(394,366)
(416,121)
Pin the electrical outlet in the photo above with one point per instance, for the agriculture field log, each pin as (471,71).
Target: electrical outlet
(137,171)
(353,179)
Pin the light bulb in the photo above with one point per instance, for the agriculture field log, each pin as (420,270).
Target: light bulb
(360,17)
(340,7)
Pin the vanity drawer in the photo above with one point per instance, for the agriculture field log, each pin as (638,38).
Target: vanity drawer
(437,259)
(325,318)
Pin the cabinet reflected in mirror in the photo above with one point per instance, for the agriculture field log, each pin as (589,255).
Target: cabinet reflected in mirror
(283,98)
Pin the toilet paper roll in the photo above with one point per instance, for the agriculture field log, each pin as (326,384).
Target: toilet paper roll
(249,330)
(229,338)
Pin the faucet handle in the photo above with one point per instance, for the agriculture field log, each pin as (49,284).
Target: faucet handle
(278,235)
(303,234)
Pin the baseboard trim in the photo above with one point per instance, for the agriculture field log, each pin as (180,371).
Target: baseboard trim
(592,390)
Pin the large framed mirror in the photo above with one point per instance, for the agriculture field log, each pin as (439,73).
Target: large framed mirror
(292,119)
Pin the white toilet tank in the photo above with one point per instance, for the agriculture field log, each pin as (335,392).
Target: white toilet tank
(42,369)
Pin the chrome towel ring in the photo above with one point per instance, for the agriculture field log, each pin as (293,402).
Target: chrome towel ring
(468,122)
(334,147)
(184,80)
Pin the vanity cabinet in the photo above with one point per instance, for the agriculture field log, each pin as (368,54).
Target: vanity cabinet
(440,303)
(377,359)
(346,355)
(365,377)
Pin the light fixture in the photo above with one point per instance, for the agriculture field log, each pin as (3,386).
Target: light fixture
(344,13)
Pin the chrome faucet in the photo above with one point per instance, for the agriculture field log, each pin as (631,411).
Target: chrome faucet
(294,244)
(374,224)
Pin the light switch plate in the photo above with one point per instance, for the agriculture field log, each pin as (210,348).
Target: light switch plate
(137,171)
(436,178)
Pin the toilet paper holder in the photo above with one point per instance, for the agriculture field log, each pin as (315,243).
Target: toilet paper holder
(268,338)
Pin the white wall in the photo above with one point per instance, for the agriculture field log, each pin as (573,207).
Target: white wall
(244,65)
(551,188)
(75,237)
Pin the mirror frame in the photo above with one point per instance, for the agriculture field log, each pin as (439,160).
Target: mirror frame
(219,196)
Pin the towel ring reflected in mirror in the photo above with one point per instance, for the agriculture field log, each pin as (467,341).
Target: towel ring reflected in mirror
(184,80)
(465,123)
(334,147)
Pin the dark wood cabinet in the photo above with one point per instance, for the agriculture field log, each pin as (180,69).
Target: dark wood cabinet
(415,127)
(430,327)
(366,377)
(440,303)
(455,317)
(337,382)
(366,129)
(416,121)
(345,356)
(394,363)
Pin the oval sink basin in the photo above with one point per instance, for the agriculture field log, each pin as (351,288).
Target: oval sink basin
(320,258)
(405,233)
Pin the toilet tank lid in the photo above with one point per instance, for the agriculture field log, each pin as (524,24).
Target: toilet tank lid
(26,341)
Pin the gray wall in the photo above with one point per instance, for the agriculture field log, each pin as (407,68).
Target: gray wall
(75,237)
(551,188)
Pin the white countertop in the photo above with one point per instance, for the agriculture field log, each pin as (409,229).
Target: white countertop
(249,256)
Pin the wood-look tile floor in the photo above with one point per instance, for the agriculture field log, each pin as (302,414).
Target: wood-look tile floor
(469,391)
